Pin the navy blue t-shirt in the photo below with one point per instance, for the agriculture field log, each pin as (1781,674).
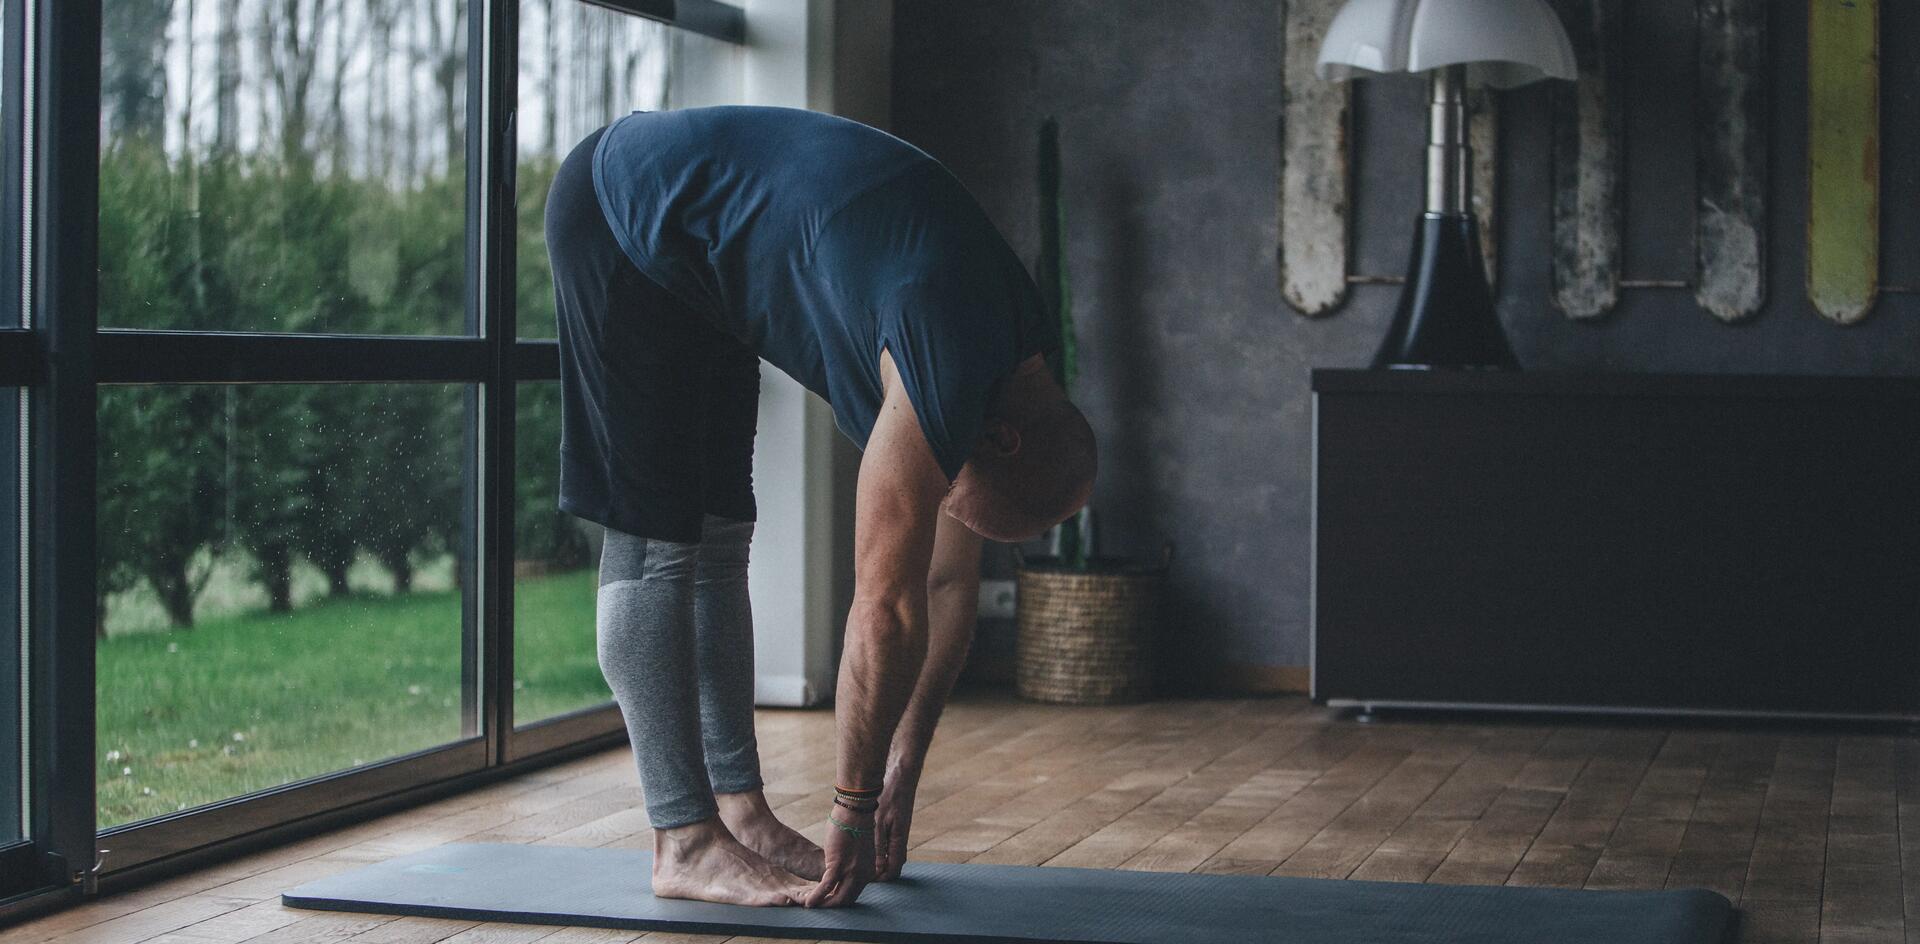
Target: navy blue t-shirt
(819,242)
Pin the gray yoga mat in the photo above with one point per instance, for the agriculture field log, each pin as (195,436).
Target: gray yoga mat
(991,903)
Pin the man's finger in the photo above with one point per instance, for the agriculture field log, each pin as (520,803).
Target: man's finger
(846,893)
(897,855)
(819,894)
(881,843)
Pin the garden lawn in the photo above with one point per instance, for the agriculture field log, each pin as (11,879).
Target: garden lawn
(246,702)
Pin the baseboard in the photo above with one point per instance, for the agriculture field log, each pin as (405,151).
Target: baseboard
(1242,678)
(783,691)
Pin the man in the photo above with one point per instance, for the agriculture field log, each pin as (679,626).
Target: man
(685,247)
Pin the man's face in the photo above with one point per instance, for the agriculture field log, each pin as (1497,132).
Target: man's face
(973,503)
(988,496)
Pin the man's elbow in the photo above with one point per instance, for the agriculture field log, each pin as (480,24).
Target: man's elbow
(893,624)
(943,583)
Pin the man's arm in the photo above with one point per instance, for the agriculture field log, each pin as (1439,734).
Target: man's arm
(953,600)
(897,500)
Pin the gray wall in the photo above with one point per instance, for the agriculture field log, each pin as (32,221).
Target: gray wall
(1195,369)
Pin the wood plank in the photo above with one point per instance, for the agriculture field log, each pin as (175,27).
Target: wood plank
(1204,780)
(1790,844)
(1416,847)
(1256,792)
(1843,157)
(1132,782)
(1349,838)
(1719,839)
(1907,810)
(1817,834)
(1861,898)
(1640,851)
(1496,842)
(1281,833)
(412,930)
(1730,219)
(1313,165)
(1587,155)
(1573,839)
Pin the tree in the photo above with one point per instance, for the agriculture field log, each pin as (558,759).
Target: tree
(226,81)
(161,447)
(447,58)
(159,492)
(133,69)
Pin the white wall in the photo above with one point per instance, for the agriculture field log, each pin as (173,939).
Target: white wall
(827,55)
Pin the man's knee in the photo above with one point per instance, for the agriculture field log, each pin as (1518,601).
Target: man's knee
(724,548)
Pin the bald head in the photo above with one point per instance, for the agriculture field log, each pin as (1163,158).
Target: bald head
(1034,465)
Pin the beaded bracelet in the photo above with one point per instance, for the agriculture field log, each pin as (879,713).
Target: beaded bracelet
(856,806)
(856,831)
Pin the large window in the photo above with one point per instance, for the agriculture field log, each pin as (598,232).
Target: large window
(14,792)
(581,66)
(280,577)
(284,165)
(556,566)
(12,655)
(278,534)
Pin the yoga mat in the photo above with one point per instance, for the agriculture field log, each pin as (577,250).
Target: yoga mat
(990,903)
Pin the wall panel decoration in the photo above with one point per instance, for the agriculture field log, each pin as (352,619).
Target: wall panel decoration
(1730,220)
(1587,120)
(1843,157)
(1313,165)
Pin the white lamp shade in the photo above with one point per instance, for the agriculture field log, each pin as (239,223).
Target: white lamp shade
(1503,43)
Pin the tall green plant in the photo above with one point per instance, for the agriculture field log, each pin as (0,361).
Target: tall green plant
(1056,295)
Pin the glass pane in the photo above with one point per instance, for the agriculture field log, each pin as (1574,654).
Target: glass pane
(269,165)
(11,744)
(555,563)
(9,204)
(582,66)
(280,596)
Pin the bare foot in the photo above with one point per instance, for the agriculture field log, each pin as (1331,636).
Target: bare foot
(705,863)
(748,817)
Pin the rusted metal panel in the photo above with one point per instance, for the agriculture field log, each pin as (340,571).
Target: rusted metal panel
(1587,164)
(1730,218)
(1313,165)
(1483,137)
(1843,157)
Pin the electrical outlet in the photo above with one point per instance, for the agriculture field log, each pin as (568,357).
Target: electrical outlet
(997,599)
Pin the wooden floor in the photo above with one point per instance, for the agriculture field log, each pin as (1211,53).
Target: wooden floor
(1814,833)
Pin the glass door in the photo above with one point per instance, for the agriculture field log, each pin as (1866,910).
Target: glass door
(262,508)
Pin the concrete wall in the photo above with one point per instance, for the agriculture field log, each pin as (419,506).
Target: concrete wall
(1196,371)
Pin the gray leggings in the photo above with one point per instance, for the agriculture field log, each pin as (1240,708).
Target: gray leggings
(676,645)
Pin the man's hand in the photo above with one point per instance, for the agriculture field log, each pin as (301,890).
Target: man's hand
(891,823)
(849,861)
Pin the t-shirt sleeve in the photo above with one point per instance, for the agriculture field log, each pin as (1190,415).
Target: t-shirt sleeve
(948,298)
(950,351)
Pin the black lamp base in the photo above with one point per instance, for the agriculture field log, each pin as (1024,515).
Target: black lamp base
(1446,318)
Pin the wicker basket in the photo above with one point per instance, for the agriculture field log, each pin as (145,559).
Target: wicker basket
(1087,637)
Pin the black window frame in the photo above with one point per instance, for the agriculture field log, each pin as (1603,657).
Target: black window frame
(61,357)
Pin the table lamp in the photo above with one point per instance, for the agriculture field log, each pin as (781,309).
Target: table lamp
(1445,318)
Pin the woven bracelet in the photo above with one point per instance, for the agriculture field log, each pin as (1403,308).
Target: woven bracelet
(857,831)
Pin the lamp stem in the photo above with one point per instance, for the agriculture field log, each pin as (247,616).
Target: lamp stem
(1449,159)
(1446,315)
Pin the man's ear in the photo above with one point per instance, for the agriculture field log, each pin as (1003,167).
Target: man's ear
(1000,437)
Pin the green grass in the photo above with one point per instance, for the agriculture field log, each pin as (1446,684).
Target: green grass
(252,700)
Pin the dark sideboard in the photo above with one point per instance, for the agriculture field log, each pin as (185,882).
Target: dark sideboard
(1617,542)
